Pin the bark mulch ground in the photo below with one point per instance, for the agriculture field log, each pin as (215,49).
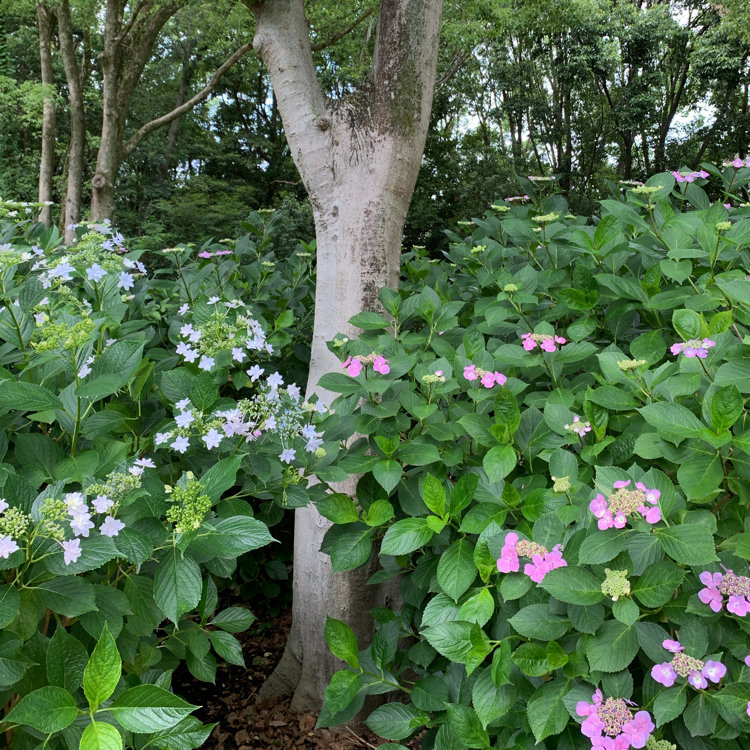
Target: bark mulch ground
(244,721)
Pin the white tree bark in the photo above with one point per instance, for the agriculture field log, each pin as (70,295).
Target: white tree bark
(358,159)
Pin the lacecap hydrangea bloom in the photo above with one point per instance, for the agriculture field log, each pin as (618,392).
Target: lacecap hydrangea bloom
(610,723)
(579,427)
(689,176)
(718,585)
(486,378)
(542,559)
(693,348)
(694,670)
(354,365)
(623,503)
(546,342)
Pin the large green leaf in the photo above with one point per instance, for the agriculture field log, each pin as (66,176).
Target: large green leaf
(658,584)
(573,585)
(536,621)
(177,584)
(231,537)
(689,544)
(456,570)
(393,721)
(21,396)
(405,536)
(149,708)
(451,639)
(102,673)
(70,596)
(48,709)
(100,736)
(342,641)
(546,711)
(673,419)
(613,647)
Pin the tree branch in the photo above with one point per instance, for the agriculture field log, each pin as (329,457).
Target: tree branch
(159,122)
(341,34)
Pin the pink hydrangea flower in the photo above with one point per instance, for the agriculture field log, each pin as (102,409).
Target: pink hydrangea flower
(615,510)
(718,585)
(696,672)
(610,723)
(542,559)
(579,427)
(693,348)
(352,366)
(546,342)
(381,365)
(205,254)
(486,378)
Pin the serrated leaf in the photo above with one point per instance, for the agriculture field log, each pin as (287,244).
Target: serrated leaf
(102,672)
(573,585)
(613,647)
(456,570)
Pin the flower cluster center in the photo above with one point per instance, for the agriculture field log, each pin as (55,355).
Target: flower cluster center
(529,549)
(626,501)
(614,713)
(685,665)
(734,585)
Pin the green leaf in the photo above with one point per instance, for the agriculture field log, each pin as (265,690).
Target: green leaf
(546,711)
(405,536)
(338,508)
(613,647)
(352,546)
(370,321)
(658,584)
(66,660)
(227,647)
(451,639)
(393,721)
(687,323)
(418,453)
(733,700)
(285,319)
(456,570)
(478,608)
(70,596)
(625,611)
(727,406)
(532,659)
(100,736)
(536,621)
(498,462)
(48,709)
(342,641)
(177,585)
(689,544)
(233,619)
(602,546)
(387,473)
(465,724)
(96,388)
(149,708)
(9,604)
(701,714)
(337,382)
(231,537)
(700,476)
(21,396)
(672,418)
(669,704)
(102,673)
(341,690)
(220,477)
(614,399)
(433,495)
(573,585)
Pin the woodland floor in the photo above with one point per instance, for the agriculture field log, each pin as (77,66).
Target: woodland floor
(244,722)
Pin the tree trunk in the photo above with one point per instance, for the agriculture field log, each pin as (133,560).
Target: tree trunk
(358,159)
(46,20)
(77,149)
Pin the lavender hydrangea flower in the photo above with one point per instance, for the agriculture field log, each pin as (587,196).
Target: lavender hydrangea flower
(623,503)
(693,348)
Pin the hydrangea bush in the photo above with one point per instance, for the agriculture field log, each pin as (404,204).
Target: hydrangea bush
(556,470)
(149,439)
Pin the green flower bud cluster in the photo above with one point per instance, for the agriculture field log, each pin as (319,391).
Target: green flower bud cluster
(51,336)
(88,250)
(723,226)
(630,364)
(501,209)
(510,288)
(189,506)
(647,189)
(652,744)
(616,584)
(546,218)
(478,249)
(561,484)
(10,258)
(14,523)
(54,513)
(116,485)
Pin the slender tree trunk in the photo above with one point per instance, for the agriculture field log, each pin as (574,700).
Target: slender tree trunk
(77,149)
(46,20)
(358,159)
